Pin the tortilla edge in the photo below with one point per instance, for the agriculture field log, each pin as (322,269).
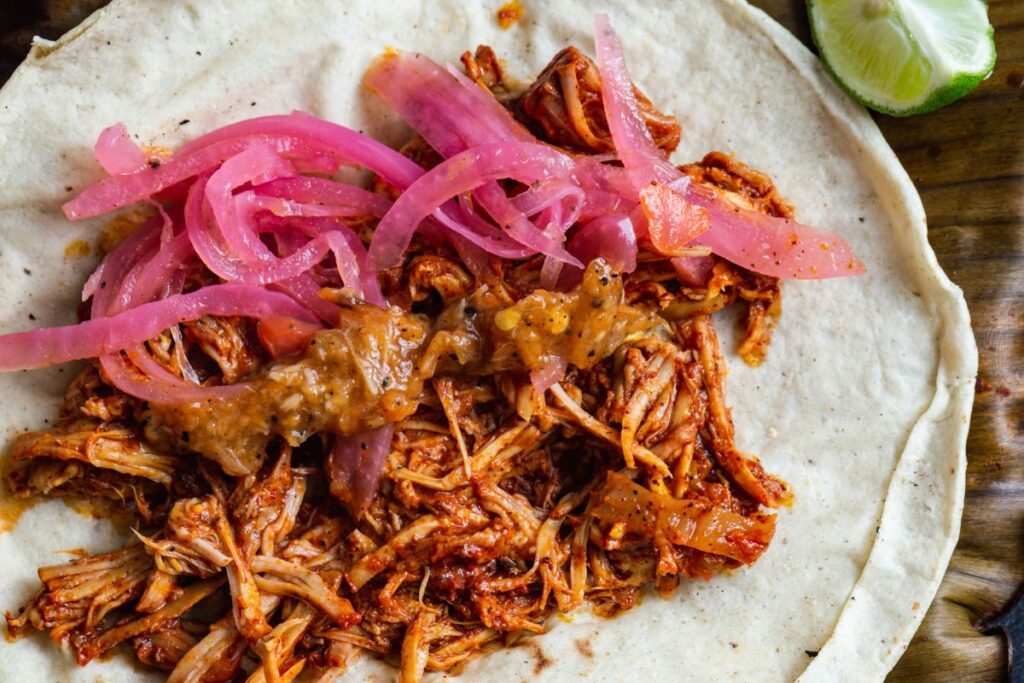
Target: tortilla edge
(954,383)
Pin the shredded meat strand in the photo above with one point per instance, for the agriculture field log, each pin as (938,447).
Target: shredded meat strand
(564,105)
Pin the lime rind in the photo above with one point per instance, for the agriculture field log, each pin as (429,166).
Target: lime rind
(949,78)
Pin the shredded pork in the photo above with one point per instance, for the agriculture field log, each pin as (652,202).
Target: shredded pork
(498,504)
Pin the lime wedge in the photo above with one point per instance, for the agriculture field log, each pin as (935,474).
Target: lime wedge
(904,57)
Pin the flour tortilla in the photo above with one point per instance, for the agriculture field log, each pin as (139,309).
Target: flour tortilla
(862,404)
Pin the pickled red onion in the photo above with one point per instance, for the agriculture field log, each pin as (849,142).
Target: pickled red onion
(550,374)
(525,162)
(453,114)
(634,146)
(325,192)
(780,247)
(354,466)
(118,192)
(150,381)
(610,237)
(296,135)
(470,227)
(116,152)
(304,130)
(694,270)
(450,114)
(92,338)
(765,244)
(246,182)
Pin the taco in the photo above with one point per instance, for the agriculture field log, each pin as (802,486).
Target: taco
(392,358)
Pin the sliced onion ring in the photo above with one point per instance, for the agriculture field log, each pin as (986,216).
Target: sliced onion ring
(92,338)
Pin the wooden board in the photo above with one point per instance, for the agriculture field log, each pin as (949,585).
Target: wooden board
(967,161)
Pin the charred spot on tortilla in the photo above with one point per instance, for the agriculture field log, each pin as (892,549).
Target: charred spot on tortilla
(416,418)
(584,647)
(539,659)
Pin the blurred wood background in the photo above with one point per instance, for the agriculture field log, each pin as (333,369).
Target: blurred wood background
(967,161)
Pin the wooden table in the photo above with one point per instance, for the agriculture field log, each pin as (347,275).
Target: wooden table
(967,161)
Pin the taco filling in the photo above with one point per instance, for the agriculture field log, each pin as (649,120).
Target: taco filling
(419,416)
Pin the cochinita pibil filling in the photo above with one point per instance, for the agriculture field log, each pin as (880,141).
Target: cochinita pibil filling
(417,417)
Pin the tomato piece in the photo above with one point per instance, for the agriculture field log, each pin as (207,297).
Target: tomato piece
(283,336)
(672,222)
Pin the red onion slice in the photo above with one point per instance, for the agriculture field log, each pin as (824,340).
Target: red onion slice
(524,162)
(116,152)
(550,374)
(612,238)
(634,145)
(453,114)
(694,270)
(354,466)
(765,244)
(295,136)
(779,247)
(92,338)
(354,200)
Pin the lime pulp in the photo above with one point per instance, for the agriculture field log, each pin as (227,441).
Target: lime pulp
(904,57)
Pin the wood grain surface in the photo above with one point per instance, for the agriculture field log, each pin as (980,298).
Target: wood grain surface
(967,161)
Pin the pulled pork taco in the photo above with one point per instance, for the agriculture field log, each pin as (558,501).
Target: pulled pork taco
(403,346)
